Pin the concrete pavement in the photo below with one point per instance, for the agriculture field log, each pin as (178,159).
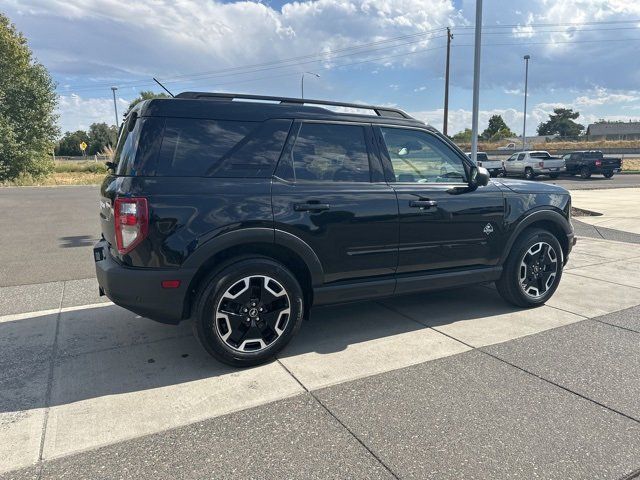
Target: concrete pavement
(423,386)
(618,209)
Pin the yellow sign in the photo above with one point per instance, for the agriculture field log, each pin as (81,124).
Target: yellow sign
(83,146)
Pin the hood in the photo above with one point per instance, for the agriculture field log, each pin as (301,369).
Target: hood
(526,186)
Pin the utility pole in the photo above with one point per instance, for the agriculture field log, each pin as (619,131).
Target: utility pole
(115,105)
(526,81)
(446,83)
(476,84)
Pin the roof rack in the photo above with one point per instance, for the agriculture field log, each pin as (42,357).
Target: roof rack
(380,111)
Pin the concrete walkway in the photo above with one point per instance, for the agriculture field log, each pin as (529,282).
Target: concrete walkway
(412,387)
(620,208)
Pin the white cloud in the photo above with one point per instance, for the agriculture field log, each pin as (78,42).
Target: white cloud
(171,38)
(602,96)
(77,113)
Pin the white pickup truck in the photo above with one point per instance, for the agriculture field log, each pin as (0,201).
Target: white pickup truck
(494,166)
(533,163)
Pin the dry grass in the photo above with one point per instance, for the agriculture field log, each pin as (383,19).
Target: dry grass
(577,145)
(58,178)
(631,165)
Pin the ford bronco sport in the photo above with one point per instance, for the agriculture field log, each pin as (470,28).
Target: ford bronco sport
(241,212)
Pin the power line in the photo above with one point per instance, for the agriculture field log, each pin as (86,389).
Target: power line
(357,50)
(362,47)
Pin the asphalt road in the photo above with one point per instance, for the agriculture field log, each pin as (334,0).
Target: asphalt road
(47,233)
(595,182)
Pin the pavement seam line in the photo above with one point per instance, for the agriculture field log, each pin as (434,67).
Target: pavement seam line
(47,401)
(481,350)
(614,325)
(332,415)
(571,272)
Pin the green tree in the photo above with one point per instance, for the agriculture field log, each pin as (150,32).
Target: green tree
(69,145)
(144,95)
(27,103)
(463,137)
(497,129)
(561,122)
(100,136)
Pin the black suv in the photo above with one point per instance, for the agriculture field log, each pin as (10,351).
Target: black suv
(240,212)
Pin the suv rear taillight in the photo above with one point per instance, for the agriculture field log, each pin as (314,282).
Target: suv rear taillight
(541,164)
(131,217)
(598,163)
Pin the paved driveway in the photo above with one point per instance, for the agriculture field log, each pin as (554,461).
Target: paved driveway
(445,385)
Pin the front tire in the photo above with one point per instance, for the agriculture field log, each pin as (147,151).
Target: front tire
(585,173)
(248,311)
(533,269)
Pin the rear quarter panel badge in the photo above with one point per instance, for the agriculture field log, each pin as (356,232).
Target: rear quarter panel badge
(488,229)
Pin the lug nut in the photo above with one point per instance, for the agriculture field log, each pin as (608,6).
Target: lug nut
(260,309)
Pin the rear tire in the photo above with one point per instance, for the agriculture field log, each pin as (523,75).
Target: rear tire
(607,174)
(533,270)
(585,173)
(528,173)
(247,311)
(554,175)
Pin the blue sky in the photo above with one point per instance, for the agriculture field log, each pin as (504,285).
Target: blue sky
(583,53)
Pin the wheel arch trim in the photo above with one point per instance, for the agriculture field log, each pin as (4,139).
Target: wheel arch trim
(534,217)
(259,235)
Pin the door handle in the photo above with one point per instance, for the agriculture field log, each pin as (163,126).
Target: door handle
(423,204)
(310,207)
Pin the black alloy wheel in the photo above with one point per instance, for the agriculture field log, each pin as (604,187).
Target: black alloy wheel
(538,269)
(248,310)
(252,313)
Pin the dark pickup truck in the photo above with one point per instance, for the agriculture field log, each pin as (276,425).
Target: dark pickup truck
(588,162)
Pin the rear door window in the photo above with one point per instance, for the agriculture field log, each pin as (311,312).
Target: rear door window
(331,152)
(219,148)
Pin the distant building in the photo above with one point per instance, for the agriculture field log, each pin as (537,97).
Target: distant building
(614,131)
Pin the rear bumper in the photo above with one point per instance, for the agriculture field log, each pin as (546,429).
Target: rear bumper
(140,290)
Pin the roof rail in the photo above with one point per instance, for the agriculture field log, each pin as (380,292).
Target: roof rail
(380,111)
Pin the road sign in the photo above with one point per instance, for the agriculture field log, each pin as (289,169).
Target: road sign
(83,146)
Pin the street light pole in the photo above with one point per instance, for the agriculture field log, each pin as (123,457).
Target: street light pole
(526,81)
(115,105)
(302,82)
(446,83)
(476,84)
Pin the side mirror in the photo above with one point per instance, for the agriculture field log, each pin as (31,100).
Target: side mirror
(111,166)
(479,177)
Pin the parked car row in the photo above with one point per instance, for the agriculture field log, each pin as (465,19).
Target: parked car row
(531,164)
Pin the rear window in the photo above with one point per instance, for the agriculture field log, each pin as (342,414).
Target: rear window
(218,148)
(482,157)
(137,146)
(331,152)
(539,155)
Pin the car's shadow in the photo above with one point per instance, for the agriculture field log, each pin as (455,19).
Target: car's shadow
(107,350)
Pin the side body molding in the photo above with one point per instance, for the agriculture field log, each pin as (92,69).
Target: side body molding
(248,236)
